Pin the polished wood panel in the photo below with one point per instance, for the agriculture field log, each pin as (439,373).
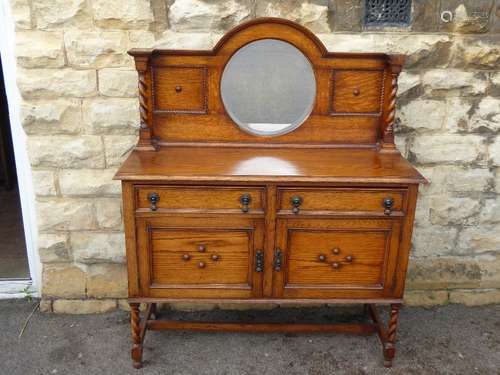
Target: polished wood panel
(357,91)
(291,165)
(201,198)
(342,200)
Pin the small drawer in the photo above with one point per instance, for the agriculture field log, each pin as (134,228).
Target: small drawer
(201,198)
(357,92)
(181,89)
(380,201)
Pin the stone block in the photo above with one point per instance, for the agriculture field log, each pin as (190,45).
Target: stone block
(107,281)
(443,273)
(490,270)
(141,39)
(448,148)
(497,180)
(65,214)
(98,247)
(56,116)
(96,49)
(348,15)
(486,116)
(448,82)
(117,147)
(50,83)
(434,241)
(118,83)
(448,210)
(200,15)
(311,14)
(21,13)
(83,306)
(479,240)
(50,14)
(119,14)
(109,213)
(475,297)
(476,53)
(63,281)
(458,113)
(45,306)
(449,178)
(469,16)
(183,40)
(410,115)
(408,81)
(88,182)
(425,15)
(53,248)
(39,49)
(494,152)
(44,183)
(490,213)
(111,115)
(426,298)
(495,84)
(66,151)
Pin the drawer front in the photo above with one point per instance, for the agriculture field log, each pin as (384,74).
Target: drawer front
(342,200)
(180,89)
(358,92)
(338,258)
(192,257)
(202,198)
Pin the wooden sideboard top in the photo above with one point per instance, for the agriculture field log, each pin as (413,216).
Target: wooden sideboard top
(259,164)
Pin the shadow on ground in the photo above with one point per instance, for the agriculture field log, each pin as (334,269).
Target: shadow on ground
(446,340)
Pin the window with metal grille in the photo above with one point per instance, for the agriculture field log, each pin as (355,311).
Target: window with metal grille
(387,12)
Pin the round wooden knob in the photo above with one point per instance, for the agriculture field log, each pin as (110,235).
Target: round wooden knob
(356,92)
(336,251)
(202,248)
(201,265)
(178,88)
(186,257)
(321,257)
(349,258)
(335,265)
(215,257)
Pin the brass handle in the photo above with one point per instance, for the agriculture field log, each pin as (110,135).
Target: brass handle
(335,265)
(349,258)
(186,257)
(259,261)
(178,88)
(322,257)
(201,265)
(296,202)
(277,260)
(215,257)
(245,200)
(336,251)
(356,92)
(388,203)
(153,198)
(202,248)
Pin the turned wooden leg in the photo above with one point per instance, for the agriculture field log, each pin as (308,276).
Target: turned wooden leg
(389,345)
(135,323)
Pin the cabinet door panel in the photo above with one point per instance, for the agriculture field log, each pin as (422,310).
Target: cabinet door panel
(335,258)
(199,257)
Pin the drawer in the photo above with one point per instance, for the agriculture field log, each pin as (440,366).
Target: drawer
(201,198)
(375,201)
(180,89)
(357,92)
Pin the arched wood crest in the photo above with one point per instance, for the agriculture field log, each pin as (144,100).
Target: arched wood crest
(180,100)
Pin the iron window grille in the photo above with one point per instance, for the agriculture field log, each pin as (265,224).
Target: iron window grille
(387,12)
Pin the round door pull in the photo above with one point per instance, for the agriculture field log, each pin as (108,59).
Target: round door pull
(322,257)
(201,265)
(186,257)
(335,265)
(202,248)
(178,88)
(349,258)
(336,251)
(356,92)
(215,257)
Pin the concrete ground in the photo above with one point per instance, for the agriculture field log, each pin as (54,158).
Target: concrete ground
(445,340)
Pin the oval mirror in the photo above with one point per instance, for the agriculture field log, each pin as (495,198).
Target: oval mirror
(268,87)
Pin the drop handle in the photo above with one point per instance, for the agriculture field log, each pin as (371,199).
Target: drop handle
(296,202)
(245,201)
(388,204)
(278,259)
(153,198)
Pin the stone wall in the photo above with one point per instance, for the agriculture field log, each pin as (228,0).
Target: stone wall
(80,113)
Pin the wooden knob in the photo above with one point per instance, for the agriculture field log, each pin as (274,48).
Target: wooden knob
(186,257)
(356,92)
(336,251)
(178,88)
(335,265)
(202,248)
(201,265)
(321,257)
(349,258)
(215,257)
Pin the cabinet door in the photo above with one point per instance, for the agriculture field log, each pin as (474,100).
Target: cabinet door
(210,257)
(336,258)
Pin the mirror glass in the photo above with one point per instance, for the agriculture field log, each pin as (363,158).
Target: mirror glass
(268,87)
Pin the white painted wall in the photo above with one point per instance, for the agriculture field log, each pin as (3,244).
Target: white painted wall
(9,289)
